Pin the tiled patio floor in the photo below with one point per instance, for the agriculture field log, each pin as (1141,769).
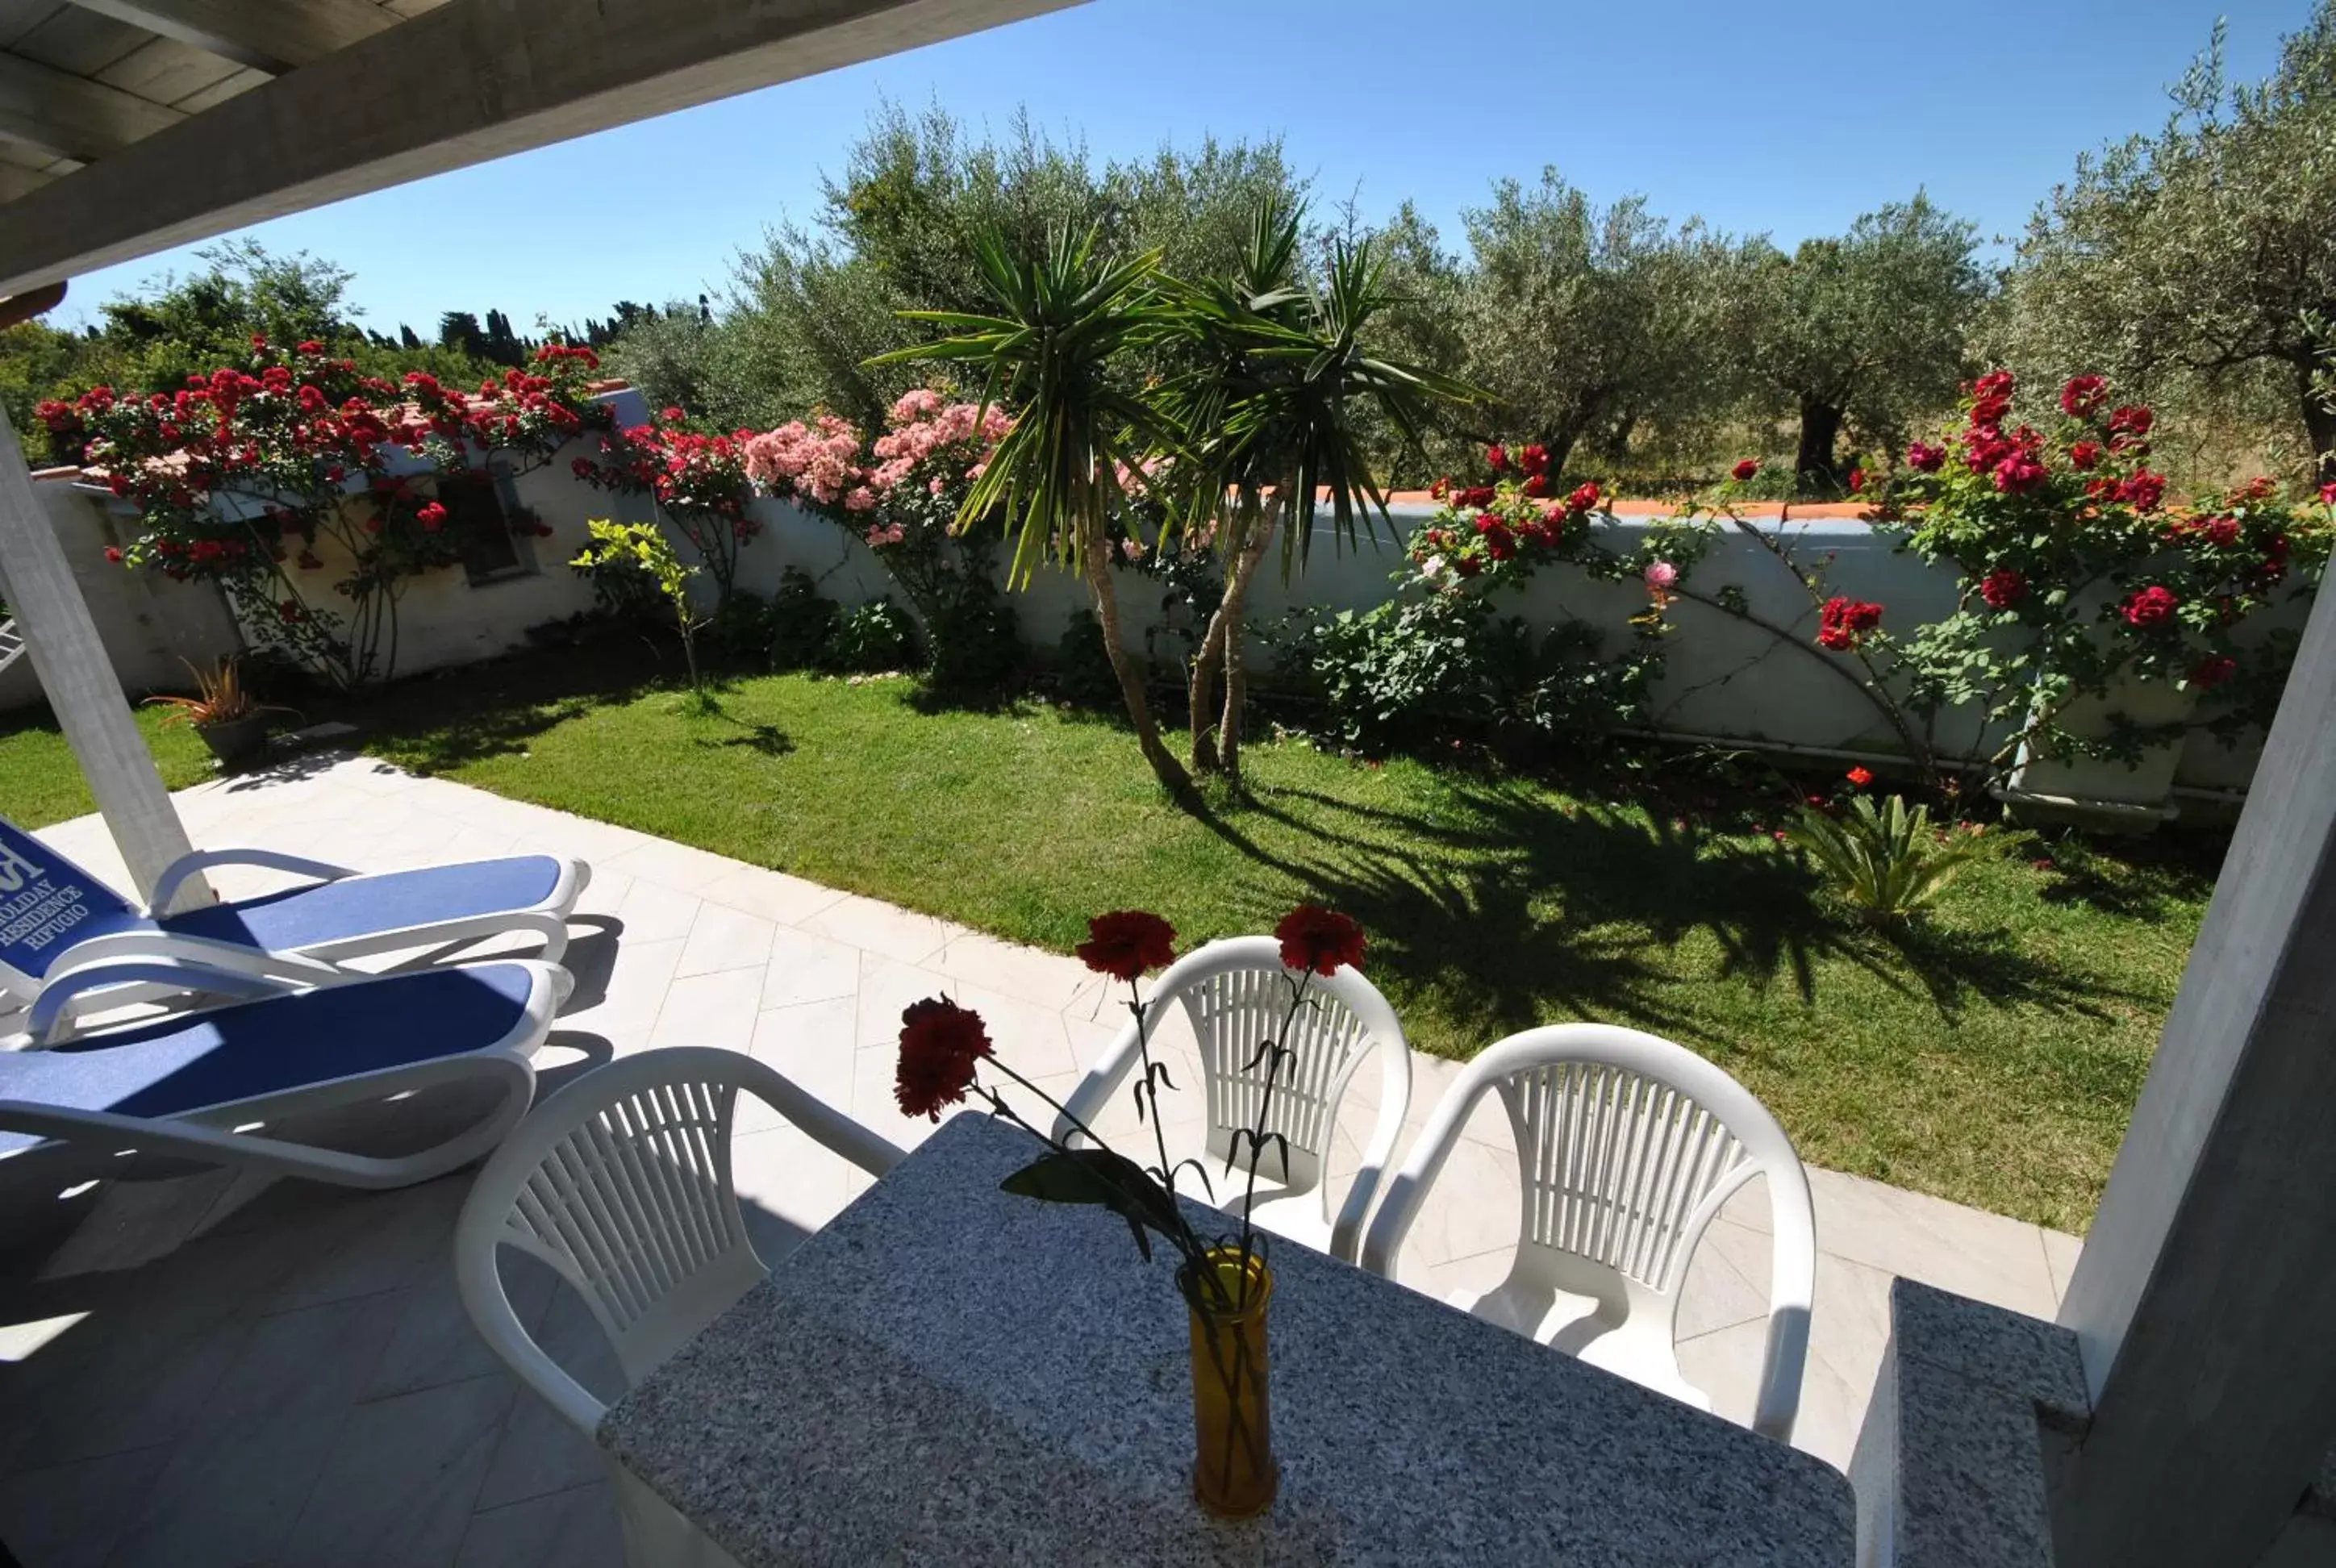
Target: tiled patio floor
(201,1369)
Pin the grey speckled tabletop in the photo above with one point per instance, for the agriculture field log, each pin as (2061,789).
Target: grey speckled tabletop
(950,1374)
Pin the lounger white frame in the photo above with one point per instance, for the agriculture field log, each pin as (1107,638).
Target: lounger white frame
(315,965)
(207,1134)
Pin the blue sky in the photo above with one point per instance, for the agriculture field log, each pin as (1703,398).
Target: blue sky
(1785,116)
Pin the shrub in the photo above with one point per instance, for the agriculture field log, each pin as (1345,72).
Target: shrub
(1082,672)
(802,623)
(1888,864)
(2077,575)
(877,636)
(741,630)
(642,549)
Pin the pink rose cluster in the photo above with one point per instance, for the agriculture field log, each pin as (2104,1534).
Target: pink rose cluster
(924,427)
(820,460)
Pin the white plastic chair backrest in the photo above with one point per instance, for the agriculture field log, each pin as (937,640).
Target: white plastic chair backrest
(1237,995)
(622,1182)
(1628,1146)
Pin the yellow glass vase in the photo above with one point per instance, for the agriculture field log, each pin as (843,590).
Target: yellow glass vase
(1233,1472)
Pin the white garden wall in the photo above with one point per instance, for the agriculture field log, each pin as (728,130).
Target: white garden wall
(1724,680)
(148,623)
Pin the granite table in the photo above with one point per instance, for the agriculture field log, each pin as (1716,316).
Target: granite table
(948,1374)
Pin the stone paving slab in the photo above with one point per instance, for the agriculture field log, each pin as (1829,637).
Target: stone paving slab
(677,946)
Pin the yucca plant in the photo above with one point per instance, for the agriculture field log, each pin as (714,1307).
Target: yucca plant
(1063,317)
(1889,862)
(1270,414)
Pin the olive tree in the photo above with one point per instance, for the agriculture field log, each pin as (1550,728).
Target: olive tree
(1584,321)
(1867,329)
(2201,259)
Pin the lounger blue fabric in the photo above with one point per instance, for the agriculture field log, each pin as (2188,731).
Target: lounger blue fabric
(47,904)
(321,912)
(266,1047)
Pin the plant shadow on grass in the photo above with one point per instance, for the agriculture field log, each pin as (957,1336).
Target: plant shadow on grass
(1956,967)
(1512,908)
(768,739)
(2140,878)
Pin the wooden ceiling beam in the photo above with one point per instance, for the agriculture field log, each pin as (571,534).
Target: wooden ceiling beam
(71,116)
(271,36)
(470,80)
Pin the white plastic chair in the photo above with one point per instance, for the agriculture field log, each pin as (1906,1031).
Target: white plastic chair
(622,1182)
(1628,1145)
(1236,994)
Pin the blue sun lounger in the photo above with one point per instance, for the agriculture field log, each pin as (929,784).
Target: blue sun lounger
(180,1084)
(54,917)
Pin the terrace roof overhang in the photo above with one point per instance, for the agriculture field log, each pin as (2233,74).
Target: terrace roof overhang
(127,126)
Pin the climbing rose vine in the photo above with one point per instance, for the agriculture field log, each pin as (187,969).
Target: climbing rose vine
(2077,576)
(242,473)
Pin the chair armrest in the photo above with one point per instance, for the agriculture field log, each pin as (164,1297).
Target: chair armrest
(1395,1103)
(291,969)
(1384,1241)
(1093,1092)
(166,886)
(41,1023)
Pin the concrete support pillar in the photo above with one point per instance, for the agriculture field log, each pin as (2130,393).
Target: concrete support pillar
(77,673)
(2204,1305)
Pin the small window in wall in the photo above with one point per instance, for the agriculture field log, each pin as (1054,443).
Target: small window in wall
(476,508)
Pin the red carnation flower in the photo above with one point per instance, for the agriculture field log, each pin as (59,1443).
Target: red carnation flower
(1498,456)
(1319,939)
(1537,486)
(1534,459)
(2081,395)
(1925,458)
(1745,470)
(1988,410)
(432,518)
(2132,419)
(1856,481)
(671,413)
(1859,777)
(1583,499)
(1994,384)
(2212,672)
(2003,587)
(113,554)
(2328,495)
(2085,455)
(2153,606)
(1476,495)
(939,1044)
(1125,943)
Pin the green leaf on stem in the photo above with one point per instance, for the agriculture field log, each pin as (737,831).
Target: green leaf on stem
(1100,1176)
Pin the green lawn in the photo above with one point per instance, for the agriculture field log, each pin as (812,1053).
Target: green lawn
(40,783)
(1992,1058)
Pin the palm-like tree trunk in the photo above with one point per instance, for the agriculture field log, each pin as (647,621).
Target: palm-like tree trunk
(1232,612)
(1201,694)
(1095,559)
